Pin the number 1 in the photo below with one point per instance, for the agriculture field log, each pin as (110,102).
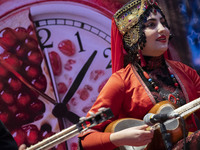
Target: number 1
(79,42)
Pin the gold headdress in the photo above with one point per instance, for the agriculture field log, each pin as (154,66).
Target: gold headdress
(126,25)
(128,16)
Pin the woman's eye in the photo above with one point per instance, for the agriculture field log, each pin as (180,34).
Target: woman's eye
(150,24)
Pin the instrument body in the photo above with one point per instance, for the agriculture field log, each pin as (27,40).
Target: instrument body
(121,124)
(173,127)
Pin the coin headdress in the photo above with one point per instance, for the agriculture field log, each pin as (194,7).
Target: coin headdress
(126,29)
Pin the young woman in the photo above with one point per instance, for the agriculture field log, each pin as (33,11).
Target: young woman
(142,76)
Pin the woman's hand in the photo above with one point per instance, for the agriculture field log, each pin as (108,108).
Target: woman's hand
(22,147)
(134,136)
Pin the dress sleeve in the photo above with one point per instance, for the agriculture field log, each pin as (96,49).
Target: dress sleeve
(195,79)
(111,96)
(194,76)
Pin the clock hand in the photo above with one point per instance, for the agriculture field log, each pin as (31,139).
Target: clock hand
(79,78)
(12,69)
(60,110)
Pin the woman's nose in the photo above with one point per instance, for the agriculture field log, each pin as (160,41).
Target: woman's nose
(162,28)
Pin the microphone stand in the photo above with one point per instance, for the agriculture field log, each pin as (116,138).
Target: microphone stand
(166,137)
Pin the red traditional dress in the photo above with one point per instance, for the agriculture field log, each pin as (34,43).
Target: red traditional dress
(128,97)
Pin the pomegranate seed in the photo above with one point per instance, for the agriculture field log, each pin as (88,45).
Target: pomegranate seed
(67,47)
(13,109)
(71,61)
(96,74)
(84,94)
(88,87)
(20,51)
(55,63)
(15,84)
(2,48)
(32,133)
(1,86)
(40,83)
(7,97)
(62,88)
(21,33)
(31,43)
(19,136)
(22,117)
(8,38)
(31,32)
(3,72)
(12,60)
(37,107)
(32,71)
(35,57)
(86,109)
(23,99)
(68,67)
(73,101)
(4,117)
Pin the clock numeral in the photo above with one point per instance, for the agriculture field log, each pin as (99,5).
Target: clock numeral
(109,65)
(48,35)
(79,42)
(106,56)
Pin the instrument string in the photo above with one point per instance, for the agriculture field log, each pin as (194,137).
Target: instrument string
(188,108)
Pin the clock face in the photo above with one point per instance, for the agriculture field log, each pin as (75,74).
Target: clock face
(71,60)
(76,42)
(72,39)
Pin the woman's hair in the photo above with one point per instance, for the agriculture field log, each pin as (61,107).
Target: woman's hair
(132,50)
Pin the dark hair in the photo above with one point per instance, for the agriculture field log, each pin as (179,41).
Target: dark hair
(132,52)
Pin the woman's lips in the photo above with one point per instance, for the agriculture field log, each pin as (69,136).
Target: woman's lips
(162,39)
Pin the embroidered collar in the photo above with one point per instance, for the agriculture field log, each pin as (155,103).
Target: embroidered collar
(154,62)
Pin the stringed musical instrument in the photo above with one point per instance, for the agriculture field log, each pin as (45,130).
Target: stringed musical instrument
(83,125)
(173,126)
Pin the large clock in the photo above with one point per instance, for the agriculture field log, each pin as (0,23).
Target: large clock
(74,41)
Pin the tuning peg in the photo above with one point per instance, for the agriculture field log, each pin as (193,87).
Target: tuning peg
(91,113)
(101,109)
(82,118)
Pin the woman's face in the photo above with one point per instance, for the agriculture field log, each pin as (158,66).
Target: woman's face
(157,35)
